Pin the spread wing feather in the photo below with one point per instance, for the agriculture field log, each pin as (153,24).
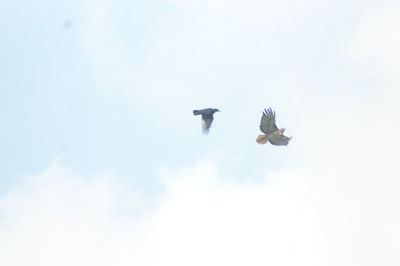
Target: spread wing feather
(279,140)
(206,111)
(268,124)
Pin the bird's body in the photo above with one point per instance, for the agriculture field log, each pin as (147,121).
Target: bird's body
(272,133)
(207,116)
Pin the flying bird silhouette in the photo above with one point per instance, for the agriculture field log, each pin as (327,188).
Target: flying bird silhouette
(272,133)
(206,118)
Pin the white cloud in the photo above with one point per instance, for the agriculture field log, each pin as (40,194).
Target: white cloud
(60,218)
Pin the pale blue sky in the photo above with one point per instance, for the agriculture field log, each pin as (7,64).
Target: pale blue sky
(54,105)
(101,156)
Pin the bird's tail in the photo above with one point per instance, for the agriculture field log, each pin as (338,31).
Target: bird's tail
(262,139)
(205,131)
(196,112)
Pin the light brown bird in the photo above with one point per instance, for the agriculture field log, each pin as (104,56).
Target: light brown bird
(272,133)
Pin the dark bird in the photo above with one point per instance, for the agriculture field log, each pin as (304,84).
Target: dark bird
(273,134)
(206,118)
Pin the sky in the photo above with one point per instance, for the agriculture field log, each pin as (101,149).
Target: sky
(103,162)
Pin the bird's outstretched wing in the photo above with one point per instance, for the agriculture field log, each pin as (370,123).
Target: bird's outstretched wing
(206,121)
(206,111)
(267,124)
(279,140)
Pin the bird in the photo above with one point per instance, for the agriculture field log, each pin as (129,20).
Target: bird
(272,133)
(206,118)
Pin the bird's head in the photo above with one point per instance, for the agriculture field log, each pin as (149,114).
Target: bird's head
(216,110)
